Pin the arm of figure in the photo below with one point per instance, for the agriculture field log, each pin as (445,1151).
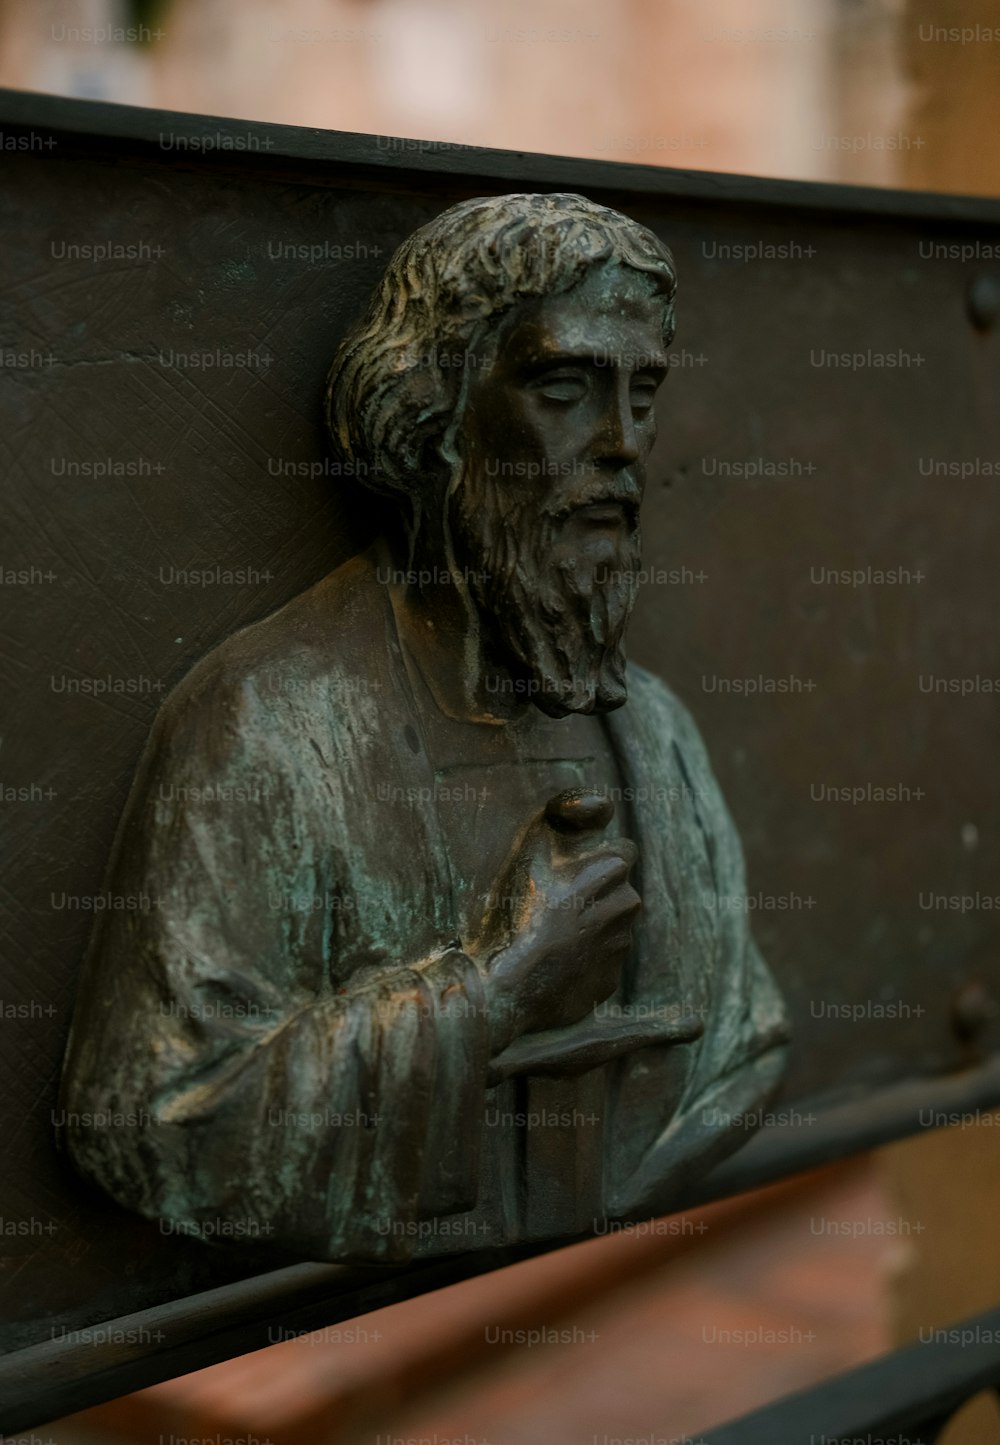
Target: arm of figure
(216,1077)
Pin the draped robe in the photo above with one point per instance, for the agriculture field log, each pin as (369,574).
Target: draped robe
(285,1031)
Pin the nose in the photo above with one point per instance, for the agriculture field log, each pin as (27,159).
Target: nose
(617,443)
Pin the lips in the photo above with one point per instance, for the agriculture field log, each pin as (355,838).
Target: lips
(608,505)
(607,512)
(610,513)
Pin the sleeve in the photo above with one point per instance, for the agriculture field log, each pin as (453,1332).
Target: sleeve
(221,1076)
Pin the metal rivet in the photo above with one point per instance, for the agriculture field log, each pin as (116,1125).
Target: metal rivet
(983,300)
(972,1010)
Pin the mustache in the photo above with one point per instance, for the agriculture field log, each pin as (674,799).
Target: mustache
(598,490)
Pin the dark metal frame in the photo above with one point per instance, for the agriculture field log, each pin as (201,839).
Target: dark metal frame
(130,129)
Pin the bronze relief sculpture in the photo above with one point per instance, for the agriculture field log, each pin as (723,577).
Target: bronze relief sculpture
(445,946)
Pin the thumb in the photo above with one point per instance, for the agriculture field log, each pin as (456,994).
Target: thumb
(573,819)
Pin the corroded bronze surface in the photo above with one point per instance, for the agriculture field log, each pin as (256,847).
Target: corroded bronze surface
(473,969)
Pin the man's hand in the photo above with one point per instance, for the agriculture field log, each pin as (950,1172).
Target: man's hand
(558,925)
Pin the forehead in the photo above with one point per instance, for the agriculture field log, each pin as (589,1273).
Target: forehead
(612,306)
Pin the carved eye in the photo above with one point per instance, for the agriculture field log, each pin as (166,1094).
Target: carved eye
(564,386)
(642,395)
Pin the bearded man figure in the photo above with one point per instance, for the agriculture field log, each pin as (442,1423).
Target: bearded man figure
(410,982)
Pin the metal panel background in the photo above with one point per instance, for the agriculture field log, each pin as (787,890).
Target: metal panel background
(218,462)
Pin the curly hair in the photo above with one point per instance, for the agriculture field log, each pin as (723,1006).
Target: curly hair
(395,392)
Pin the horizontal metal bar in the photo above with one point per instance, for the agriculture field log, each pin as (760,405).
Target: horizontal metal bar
(888,1399)
(261,145)
(60,1376)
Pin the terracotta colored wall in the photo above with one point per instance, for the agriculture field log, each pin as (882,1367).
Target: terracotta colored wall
(800,88)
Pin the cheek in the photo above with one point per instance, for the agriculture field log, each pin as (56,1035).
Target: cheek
(498,427)
(556,433)
(526,432)
(507,425)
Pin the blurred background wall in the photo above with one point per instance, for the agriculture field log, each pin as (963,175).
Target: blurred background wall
(879,92)
(815,89)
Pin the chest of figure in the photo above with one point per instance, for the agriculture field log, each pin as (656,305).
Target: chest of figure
(490,782)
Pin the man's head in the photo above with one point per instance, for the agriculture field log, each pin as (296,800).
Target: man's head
(501,386)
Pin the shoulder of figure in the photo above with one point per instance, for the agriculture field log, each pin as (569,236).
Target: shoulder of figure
(656,700)
(667,725)
(321,639)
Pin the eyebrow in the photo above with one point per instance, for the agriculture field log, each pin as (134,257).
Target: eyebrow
(651,361)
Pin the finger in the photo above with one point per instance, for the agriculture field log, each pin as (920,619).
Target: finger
(604,910)
(596,872)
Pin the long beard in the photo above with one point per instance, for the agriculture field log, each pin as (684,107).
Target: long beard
(556,615)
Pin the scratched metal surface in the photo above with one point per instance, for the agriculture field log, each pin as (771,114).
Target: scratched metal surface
(210,468)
